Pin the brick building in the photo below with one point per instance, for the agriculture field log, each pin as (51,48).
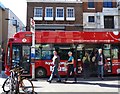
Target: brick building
(100,15)
(55,14)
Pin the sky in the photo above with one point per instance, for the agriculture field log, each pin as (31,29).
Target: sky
(18,7)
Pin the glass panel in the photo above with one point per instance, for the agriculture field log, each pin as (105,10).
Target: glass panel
(46,55)
(38,51)
(26,58)
(107,53)
(63,50)
(26,52)
(49,12)
(91,4)
(16,55)
(107,3)
(91,19)
(115,53)
(38,12)
(70,12)
(107,50)
(43,51)
(60,12)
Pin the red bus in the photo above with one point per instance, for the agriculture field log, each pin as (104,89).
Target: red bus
(19,49)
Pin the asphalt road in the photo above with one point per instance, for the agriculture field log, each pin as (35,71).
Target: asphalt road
(91,85)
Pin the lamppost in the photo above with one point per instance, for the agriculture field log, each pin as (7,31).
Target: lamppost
(14,23)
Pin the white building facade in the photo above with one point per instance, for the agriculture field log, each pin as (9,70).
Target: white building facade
(101,15)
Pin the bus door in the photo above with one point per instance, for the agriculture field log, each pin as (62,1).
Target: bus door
(21,56)
(25,57)
(115,58)
(16,55)
(80,53)
(108,56)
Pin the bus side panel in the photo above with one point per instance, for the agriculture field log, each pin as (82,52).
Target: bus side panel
(116,66)
(43,64)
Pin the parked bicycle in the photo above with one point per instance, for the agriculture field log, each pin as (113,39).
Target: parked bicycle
(16,83)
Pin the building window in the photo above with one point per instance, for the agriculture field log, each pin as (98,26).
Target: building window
(70,14)
(109,22)
(49,13)
(107,4)
(38,12)
(59,13)
(91,4)
(91,19)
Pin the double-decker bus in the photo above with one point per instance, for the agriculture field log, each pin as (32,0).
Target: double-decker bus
(19,50)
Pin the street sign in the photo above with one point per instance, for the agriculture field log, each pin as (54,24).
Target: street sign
(32,25)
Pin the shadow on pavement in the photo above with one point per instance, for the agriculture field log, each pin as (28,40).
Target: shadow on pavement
(93,82)
(100,84)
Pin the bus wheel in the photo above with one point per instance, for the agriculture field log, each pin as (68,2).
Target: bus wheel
(40,72)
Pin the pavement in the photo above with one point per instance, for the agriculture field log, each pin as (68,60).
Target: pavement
(92,85)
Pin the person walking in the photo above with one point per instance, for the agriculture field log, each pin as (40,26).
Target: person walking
(86,65)
(100,63)
(93,64)
(56,63)
(70,64)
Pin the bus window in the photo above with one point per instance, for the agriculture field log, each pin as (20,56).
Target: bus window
(15,55)
(46,55)
(26,58)
(107,50)
(106,53)
(38,51)
(63,50)
(43,51)
(114,53)
(63,53)
(26,51)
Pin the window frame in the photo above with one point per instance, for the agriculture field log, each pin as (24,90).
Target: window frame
(70,18)
(90,20)
(48,18)
(38,17)
(59,18)
(107,4)
(91,4)
(40,57)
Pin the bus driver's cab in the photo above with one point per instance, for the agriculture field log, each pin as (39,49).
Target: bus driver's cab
(18,54)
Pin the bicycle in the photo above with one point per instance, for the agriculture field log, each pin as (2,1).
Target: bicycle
(10,84)
(15,82)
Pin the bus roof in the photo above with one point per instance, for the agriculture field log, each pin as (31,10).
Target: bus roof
(67,37)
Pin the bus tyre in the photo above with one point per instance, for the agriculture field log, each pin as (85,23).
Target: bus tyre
(40,72)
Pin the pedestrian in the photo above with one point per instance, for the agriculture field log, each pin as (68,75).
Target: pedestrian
(100,63)
(56,63)
(86,65)
(70,68)
(93,60)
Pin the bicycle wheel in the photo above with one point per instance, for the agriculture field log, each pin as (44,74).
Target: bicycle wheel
(6,85)
(10,85)
(27,85)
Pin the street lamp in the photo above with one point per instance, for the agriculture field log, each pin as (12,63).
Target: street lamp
(14,24)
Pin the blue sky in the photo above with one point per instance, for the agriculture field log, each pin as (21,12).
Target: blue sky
(18,7)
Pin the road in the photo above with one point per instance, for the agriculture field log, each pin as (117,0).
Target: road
(109,84)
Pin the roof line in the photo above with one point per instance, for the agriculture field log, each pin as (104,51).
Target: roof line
(2,6)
